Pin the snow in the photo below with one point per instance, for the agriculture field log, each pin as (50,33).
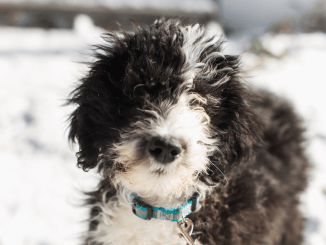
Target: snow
(40,185)
(198,6)
(258,15)
(39,180)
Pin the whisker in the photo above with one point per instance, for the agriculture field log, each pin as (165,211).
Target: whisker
(225,179)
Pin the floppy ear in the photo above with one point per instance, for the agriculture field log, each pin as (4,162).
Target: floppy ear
(237,129)
(97,98)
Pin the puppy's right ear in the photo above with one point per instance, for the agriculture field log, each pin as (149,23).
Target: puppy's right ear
(95,120)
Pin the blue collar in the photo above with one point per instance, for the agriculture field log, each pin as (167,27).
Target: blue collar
(147,212)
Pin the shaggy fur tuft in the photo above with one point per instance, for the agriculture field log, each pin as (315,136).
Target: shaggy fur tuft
(242,150)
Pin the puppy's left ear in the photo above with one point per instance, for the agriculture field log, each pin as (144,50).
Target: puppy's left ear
(238,129)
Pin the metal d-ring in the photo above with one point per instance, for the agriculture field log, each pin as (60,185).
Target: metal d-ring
(183,218)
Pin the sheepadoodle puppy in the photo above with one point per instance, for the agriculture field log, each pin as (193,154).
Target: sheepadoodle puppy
(186,152)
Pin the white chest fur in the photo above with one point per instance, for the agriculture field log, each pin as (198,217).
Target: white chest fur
(119,226)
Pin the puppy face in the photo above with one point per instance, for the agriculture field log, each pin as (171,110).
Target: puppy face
(167,146)
(162,109)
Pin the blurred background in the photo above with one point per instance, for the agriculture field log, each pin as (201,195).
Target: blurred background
(42,46)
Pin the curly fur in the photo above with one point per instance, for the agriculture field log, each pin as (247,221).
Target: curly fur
(241,149)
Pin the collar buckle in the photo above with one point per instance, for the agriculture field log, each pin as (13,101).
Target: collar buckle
(138,201)
(193,198)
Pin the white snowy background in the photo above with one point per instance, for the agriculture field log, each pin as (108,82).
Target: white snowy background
(39,182)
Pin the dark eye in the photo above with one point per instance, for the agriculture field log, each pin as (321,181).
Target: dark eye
(133,102)
(128,109)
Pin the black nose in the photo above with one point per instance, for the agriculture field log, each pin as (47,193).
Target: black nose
(164,151)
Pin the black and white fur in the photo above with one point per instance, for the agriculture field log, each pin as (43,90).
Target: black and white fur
(241,151)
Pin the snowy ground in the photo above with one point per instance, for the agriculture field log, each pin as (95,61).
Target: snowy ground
(39,180)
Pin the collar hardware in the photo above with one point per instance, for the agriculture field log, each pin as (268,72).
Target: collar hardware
(194,200)
(143,204)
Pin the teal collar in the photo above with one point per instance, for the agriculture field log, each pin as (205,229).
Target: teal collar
(147,212)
